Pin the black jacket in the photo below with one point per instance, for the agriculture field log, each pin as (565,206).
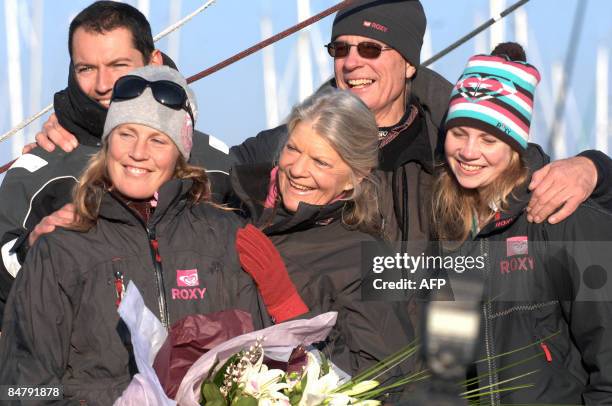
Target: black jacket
(547,310)
(61,323)
(41,182)
(323,258)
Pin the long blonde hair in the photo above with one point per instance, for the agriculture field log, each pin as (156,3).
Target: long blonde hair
(455,208)
(95,182)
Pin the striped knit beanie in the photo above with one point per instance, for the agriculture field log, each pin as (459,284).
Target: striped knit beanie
(495,95)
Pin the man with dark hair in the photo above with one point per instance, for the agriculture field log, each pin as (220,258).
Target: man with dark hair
(106,41)
(105,16)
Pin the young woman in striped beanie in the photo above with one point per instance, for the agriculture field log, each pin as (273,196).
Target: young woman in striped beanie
(546,327)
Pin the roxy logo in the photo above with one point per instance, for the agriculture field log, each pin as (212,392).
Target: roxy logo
(517,246)
(504,128)
(517,264)
(188,293)
(376,26)
(187,278)
(187,281)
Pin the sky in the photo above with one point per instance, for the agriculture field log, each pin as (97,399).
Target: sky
(232,101)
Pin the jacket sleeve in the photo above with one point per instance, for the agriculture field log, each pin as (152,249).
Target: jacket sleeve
(602,194)
(603,190)
(30,191)
(586,239)
(36,330)
(264,147)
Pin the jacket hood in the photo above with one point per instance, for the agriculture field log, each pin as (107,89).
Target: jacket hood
(250,184)
(519,198)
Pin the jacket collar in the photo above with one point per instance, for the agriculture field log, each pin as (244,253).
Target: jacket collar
(171,198)
(519,198)
(250,184)
(517,202)
(415,143)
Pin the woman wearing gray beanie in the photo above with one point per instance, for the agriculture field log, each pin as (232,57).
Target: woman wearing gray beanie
(143,215)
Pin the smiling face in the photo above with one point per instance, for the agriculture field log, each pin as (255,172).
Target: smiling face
(310,170)
(380,83)
(140,160)
(475,157)
(100,59)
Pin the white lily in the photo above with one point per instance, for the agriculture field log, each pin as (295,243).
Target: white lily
(264,384)
(338,399)
(318,388)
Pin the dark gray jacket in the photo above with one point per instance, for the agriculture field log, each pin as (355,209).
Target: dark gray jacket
(61,323)
(547,310)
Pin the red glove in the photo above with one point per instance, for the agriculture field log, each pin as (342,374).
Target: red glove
(260,259)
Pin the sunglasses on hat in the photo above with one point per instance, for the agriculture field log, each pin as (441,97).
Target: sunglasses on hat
(167,93)
(368,50)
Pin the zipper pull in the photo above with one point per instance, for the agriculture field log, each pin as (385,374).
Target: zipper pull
(546,351)
(155,246)
(119,287)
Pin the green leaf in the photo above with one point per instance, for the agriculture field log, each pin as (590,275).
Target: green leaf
(324,365)
(215,403)
(295,398)
(212,369)
(212,393)
(244,400)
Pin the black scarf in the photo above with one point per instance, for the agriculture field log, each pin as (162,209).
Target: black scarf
(78,113)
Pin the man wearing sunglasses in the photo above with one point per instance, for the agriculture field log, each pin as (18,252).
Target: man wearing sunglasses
(106,41)
(376,48)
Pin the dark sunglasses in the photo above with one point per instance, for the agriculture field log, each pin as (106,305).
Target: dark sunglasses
(368,50)
(165,92)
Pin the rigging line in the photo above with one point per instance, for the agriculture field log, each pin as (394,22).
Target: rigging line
(268,41)
(183,21)
(568,68)
(156,38)
(474,32)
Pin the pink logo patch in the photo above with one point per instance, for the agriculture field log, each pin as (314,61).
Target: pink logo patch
(187,277)
(517,246)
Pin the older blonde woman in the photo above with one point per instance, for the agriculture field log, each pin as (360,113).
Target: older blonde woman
(142,216)
(318,204)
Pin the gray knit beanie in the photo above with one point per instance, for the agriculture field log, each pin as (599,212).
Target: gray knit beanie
(398,23)
(145,110)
